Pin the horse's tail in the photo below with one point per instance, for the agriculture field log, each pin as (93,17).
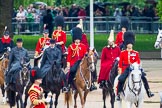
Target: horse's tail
(68,98)
(11,96)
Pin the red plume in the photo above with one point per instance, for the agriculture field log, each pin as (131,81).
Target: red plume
(33,73)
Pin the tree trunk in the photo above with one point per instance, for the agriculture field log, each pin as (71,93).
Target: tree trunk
(6,10)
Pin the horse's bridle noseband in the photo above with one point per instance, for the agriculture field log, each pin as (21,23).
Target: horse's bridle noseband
(133,89)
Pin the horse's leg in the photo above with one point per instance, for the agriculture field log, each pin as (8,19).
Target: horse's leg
(104,92)
(112,95)
(119,104)
(129,104)
(75,98)
(17,100)
(85,95)
(81,97)
(26,99)
(4,94)
(56,99)
(21,101)
(51,102)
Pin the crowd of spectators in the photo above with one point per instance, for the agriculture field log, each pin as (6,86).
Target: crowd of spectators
(35,14)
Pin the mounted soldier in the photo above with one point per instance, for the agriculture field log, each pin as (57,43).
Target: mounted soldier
(76,52)
(16,56)
(128,57)
(6,43)
(59,35)
(84,41)
(42,44)
(120,36)
(51,55)
(108,56)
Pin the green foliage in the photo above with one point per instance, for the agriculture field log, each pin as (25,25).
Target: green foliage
(26,3)
(159,9)
(144,42)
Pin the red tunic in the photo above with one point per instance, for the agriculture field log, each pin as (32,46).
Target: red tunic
(35,93)
(60,36)
(108,57)
(119,38)
(127,58)
(75,53)
(85,41)
(41,43)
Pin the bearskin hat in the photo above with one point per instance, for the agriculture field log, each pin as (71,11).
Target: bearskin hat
(76,33)
(124,23)
(35,74)
(59,21)
(129,37)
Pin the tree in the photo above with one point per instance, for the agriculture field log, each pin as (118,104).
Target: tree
(159,8)
(6,10)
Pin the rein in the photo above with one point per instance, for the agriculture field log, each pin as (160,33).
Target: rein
(87,82)
(132,89)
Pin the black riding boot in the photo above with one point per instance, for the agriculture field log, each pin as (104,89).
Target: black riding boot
(119,90)
(101,85)
(147,88)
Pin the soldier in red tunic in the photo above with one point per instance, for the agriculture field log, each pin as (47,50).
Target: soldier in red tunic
(36,92)
(84,36)
(76,52)
(127,57)
(59,35)
(42,43)
(108,56)
(119,37)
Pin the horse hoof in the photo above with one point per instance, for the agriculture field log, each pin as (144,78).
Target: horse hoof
(4,101)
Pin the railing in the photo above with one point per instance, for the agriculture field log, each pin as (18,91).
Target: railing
(101,25)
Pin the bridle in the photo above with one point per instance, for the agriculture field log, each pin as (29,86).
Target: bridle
(25,72)
(133,89)
(159,41)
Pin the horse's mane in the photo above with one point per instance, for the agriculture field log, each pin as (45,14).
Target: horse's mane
(113,72)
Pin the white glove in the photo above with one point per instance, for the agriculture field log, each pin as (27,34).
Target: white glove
(8,49)
(117,58)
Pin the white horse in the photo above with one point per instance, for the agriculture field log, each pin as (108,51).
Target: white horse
(134,90)
(158,42)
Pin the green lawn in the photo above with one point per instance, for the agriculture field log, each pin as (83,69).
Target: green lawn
(144,42)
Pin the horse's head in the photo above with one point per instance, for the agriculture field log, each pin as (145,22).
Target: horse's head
(135,78)
(91,59)
(158,42)
(24,74)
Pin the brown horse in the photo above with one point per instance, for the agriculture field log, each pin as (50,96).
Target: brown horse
(82,80)
(3,68)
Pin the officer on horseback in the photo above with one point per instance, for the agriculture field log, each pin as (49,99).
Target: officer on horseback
(6,43)
(17,54)
(59,35)
(120,36)
(108,56)
(127,57)
(51,55)
(41,44)
(36,92)
(76,52)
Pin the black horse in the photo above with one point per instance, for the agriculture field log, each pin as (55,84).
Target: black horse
(108,88)
(22,79)
(53,83)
